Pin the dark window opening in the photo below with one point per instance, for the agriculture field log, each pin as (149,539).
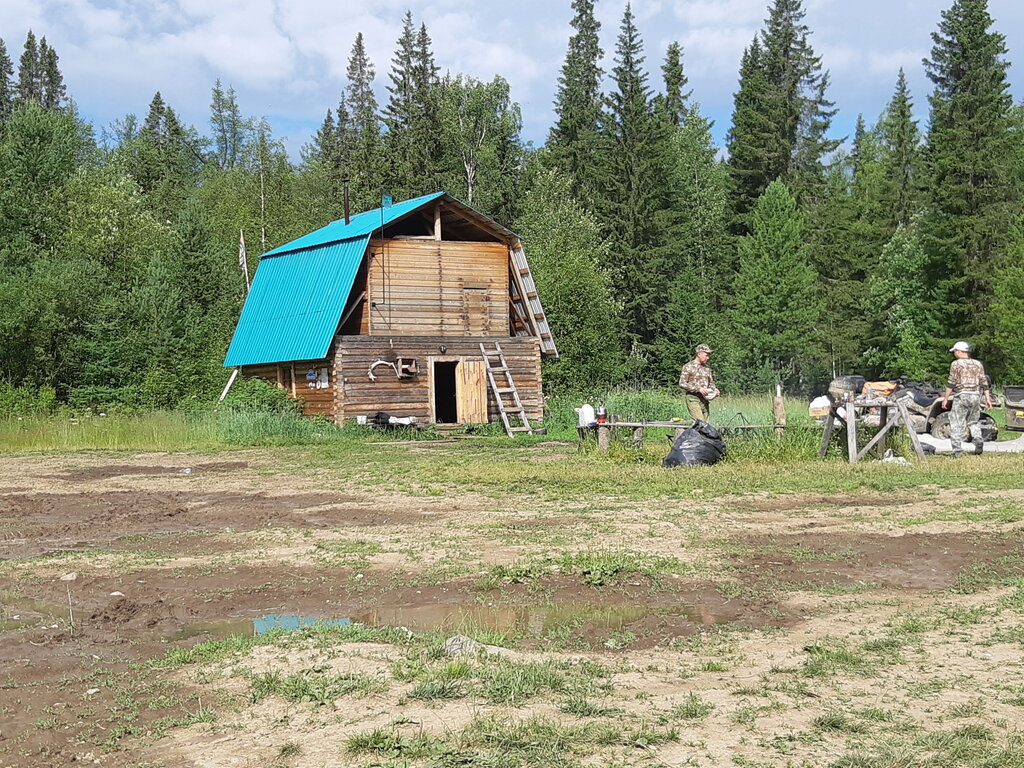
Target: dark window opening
(445,409)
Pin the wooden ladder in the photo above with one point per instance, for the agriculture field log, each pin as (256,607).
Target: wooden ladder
(514,408)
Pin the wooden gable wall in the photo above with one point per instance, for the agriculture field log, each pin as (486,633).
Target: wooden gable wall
(419,287)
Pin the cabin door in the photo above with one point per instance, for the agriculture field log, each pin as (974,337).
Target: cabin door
(471,392)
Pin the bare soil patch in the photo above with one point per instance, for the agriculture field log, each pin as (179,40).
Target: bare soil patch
(193,565)
(36,523)
(908,561)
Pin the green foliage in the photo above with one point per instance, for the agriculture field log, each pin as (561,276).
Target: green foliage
(120,285)
(1008,313)
(900,299)
(973,164)
(566,255)
(574,136)
(252,394)
(776,304)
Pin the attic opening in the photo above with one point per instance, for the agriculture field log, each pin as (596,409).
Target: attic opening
(441,222)
(446,408)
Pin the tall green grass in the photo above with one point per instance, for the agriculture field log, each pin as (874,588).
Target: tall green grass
(164,431)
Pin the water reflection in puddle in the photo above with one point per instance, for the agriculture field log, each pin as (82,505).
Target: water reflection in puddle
(522,620)
(534,621)
(20,613)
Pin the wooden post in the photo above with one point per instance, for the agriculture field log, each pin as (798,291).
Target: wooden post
(830,428)
(883,419)
(909,426)
(851,431)
(638,437)
(604,437)
(234,375)
(778,412)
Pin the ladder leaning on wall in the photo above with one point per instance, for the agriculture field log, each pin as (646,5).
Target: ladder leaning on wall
(509,405)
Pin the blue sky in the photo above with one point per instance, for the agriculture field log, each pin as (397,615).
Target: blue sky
(286,58)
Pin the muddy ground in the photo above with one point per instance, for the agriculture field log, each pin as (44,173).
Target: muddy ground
(107,564)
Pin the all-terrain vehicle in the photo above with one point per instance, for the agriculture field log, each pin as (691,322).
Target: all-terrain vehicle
(923,402)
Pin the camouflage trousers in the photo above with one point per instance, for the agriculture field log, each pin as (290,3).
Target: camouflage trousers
(965,414)
(698,407)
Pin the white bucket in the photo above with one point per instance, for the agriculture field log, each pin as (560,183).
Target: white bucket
(586,415)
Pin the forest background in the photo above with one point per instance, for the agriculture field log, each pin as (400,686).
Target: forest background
(798,255)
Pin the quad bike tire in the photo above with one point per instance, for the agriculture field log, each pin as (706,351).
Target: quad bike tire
(941,429)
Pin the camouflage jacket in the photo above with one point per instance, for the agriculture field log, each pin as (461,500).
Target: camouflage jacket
(967,375)
(696,377)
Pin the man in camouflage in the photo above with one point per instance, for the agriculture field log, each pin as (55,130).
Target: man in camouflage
(698,384)
(967,383)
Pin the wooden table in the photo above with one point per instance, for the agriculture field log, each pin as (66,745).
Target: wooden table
(604,430)
(899,417)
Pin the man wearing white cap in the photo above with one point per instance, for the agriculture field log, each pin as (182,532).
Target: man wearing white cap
(967,382)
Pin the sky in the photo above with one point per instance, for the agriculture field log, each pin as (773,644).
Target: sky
(286,59)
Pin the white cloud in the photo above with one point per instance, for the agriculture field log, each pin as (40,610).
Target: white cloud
(287,58)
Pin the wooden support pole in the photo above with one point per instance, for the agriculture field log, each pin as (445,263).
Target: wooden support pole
(878,439)
(234,375)
(851,431)
(604,437)
(883,418)
(638,437)
(779,412)
(830,428)
(909,424)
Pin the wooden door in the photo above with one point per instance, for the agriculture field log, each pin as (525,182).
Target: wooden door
(471,392)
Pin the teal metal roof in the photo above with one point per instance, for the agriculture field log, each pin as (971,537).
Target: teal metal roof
(359,225)
(301,288)
(295,303)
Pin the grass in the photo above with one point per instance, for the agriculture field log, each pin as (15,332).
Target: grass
(312,685)
(488,466)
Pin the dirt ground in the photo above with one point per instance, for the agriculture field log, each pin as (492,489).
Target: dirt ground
(105,565)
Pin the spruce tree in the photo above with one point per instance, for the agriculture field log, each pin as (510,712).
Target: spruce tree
(973,189)
(52,91)
(398,111)
(411,114)
(573,138)
(901,140)
(694,259)
(363,166)
(631,184)
(675,98)
(28,71)
(752,135)
(776,304)
(781,114)
(6,86)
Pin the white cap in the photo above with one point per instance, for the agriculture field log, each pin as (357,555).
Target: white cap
(960,346)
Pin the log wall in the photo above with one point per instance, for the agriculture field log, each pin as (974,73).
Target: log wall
(438,287)
(358,395)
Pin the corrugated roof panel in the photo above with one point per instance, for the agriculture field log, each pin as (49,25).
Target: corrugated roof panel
(360,225)
(295,304)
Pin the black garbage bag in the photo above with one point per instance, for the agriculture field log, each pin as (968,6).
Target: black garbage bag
(699,444)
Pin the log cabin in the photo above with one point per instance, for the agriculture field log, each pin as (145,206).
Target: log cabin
(424,309)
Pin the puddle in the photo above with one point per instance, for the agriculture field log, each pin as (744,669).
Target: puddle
(21,613)
(520,620)
(535,621)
